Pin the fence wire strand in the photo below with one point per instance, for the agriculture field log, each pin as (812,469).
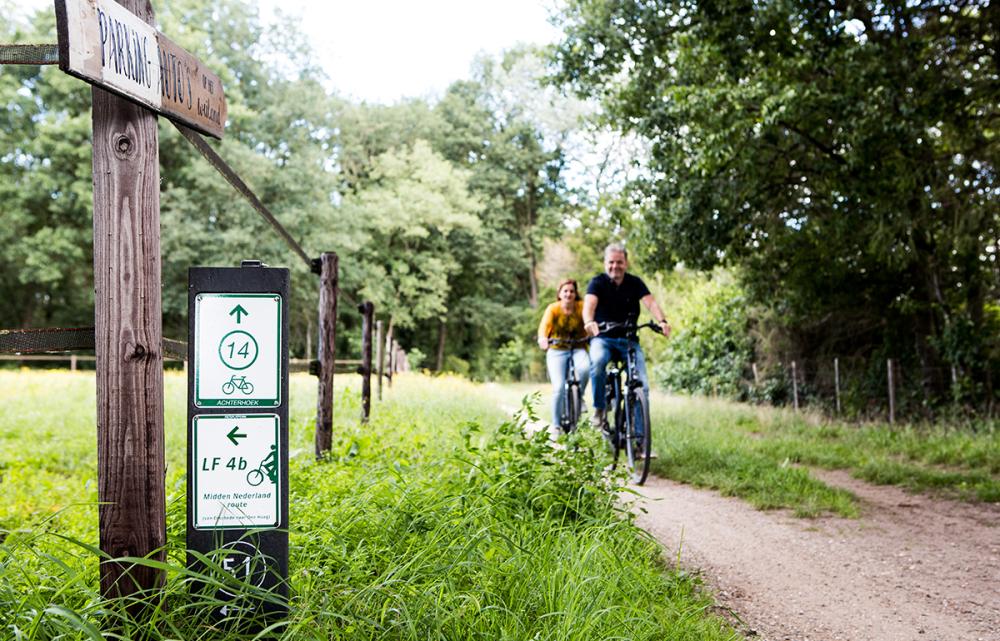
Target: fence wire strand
(233,179)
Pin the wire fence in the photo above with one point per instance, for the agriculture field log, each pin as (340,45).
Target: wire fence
(860,388)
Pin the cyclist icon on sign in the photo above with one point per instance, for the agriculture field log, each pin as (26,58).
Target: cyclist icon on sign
(268,467)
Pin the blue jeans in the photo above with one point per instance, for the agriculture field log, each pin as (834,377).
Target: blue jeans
(602,350)
(555,361)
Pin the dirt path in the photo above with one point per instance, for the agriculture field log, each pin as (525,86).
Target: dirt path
(911,568)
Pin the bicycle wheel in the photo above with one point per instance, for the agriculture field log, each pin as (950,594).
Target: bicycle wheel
(638,436)
(571,410)
(255,477)
(228,388)
(247,388)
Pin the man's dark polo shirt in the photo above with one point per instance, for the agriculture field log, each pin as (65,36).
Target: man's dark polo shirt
(617,303)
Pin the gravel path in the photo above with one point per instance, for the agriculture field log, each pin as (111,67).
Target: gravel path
(911,568)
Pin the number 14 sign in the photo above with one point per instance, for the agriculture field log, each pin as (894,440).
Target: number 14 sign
(237,355)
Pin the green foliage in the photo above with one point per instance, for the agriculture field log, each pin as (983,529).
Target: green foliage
(844,159)
(424,524)
(712,346)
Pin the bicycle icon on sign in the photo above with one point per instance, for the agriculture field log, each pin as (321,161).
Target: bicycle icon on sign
(237,383)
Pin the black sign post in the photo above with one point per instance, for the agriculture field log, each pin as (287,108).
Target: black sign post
(237,494)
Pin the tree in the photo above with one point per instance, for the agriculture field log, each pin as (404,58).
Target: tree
(843,155)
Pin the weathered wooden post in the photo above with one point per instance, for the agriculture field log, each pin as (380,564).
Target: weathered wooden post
(127,306)
(795,386)
(892,392)
(367,310)
(836,382)
(756,374)
(380,341)
(327,350)
(128,332)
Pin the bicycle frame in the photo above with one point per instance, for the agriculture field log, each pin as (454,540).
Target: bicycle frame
(568,423)
(624,402)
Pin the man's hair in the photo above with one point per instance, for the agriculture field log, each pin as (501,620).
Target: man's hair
(615,247)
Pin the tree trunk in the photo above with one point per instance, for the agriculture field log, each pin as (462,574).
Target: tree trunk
(442,331)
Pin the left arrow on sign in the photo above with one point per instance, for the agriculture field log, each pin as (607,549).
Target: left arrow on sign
(234,434)
(240,312)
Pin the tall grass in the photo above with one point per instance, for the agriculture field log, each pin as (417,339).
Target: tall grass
(439,520)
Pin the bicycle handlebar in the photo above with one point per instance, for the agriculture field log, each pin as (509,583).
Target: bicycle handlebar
(629,327)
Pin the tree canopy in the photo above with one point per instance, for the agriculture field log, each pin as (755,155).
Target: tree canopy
(841,155)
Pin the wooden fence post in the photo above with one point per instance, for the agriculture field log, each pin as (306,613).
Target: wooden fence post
(795,386)
(892,392)
(367,310)
(72,363)
(836,382)
(756,374)
(327,350)
(391,356)
(380,341)
(128,339)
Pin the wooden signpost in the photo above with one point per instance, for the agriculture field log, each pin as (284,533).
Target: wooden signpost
(104,43)
(135,71)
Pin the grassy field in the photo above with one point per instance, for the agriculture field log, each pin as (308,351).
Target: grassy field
(762,454)
(437,521)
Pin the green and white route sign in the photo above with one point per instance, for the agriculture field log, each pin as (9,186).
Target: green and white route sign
(236,479)
(237,355)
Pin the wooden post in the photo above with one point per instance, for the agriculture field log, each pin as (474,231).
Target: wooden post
(367,310)
(72,362)
(892,392)
(795,386)
(390,346)
(327,350)
(380,341)
(128,339)
(756,374)
(836,382)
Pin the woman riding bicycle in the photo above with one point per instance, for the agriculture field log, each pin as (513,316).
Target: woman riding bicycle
(561,332)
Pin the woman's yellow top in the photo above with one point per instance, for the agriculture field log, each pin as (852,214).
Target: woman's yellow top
(558,324)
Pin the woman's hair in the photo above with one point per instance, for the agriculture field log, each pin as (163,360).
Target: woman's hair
(568,281)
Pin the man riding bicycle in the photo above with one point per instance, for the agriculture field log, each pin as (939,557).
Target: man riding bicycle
(613,297)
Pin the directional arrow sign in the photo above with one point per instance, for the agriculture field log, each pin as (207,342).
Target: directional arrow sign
(237,350)
(234,434)
(238,310)
(237,483)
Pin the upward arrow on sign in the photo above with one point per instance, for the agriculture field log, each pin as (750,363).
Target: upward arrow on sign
(240,312)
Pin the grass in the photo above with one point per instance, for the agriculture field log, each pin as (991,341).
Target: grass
(438,521)
(758,454)
(763,454)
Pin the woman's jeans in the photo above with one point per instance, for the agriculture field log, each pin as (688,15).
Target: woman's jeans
(602,350)
(555,361)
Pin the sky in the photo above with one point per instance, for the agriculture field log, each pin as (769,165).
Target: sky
(384,50)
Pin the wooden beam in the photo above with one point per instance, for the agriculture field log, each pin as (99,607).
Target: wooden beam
(327,351)
(128,338)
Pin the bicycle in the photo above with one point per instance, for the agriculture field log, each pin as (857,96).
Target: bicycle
(625,399)
(569,415)
(237,383)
